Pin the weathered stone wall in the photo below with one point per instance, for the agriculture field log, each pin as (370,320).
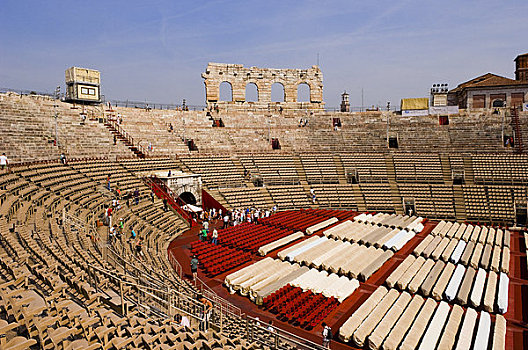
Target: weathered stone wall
(239,77)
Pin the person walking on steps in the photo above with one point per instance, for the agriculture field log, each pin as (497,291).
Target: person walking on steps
(194,267)
(327,335)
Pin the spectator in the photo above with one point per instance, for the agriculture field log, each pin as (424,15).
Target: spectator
(112,234)
(270,326)
(136,194)
(139,244)
(63,158)
(215,236)
(194,267)
(4,162)
(226,221)
(206,313)
(327,335)
(185,322)
(109,215)
(121,225)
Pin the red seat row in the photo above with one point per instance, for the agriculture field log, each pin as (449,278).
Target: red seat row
(304,309)
(329,213)
(215,259)
(251,237)
(294,220)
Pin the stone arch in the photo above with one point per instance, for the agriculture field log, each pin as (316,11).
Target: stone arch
(188,198)
(239,76)
(252,92)
(225,91)
(304,91)
(278,92)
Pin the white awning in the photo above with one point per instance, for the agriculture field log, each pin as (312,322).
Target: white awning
(193,208)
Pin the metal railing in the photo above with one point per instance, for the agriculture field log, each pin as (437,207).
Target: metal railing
(154,105)
(162,191)
(27,92)
(167,300)
(129,138)
(210,294)
(175,264)
(276,338)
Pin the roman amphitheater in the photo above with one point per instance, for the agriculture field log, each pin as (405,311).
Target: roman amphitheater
(397,231)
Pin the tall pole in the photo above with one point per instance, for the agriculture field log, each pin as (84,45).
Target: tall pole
(269,123)
(55,105)
(361,99)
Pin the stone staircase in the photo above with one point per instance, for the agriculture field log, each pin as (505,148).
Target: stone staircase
(446,169)
(395,192)
(303,180)
(220,198)
(300,170)
(396,198)
(340,170)
(460,207)
(240,168)
(469,177)
(358,198)
(121,135)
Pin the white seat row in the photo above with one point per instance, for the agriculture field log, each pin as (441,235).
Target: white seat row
(390,320)
(487,256)
(314,228)
(265,249)
(392,220)
(452,282)
(476,234)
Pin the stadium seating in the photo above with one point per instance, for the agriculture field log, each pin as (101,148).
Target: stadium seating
(250,237)
(305,309)
(399,321)
(65,284)
(216,259)
(319,169)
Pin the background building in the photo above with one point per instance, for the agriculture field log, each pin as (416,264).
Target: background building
(491,90)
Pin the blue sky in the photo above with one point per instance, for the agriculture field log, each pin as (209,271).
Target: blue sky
(156,50)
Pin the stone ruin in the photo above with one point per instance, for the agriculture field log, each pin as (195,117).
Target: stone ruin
(239,77)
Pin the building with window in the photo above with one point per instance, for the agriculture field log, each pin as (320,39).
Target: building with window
(491,90)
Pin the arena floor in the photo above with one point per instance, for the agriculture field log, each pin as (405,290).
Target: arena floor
(517,315)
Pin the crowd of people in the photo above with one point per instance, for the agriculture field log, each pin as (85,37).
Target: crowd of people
(212,217)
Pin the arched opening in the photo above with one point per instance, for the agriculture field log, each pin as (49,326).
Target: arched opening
(303,92)
(225,91)
(252,94)
(498,103)
(188,198)
(277,93)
